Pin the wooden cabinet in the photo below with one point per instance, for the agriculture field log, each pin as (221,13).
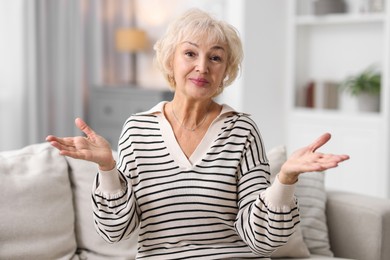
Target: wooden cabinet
(326,49)
(109,107)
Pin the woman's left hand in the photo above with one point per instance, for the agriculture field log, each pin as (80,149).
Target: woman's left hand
(307,159)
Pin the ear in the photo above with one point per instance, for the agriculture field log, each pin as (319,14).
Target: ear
(170,66)
(171,81)
(170,75)
(225,77)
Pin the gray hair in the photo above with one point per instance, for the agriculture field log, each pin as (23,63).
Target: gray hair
(196,23)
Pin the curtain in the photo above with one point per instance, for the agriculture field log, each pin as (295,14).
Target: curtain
(62,48)
(70,50)
(57,70)
(54,51)
(11,74)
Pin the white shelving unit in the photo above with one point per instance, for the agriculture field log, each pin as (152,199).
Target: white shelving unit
(340,19)
(328,48)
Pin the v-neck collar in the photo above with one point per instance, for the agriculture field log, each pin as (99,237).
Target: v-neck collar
(172,144)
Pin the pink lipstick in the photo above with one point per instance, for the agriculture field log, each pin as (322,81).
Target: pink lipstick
(199,81)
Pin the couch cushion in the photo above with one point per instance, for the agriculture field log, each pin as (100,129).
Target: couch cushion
(311,195)
(359,225)
(295,246)
(91,245)
(37,217)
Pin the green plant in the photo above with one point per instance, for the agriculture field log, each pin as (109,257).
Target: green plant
(368,81)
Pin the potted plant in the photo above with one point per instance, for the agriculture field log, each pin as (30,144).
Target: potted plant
(366,86)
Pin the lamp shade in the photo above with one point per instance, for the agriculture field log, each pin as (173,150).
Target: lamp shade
(130,40)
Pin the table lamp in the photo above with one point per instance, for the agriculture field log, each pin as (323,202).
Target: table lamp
(131,40)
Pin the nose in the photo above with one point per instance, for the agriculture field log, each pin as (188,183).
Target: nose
(202,65)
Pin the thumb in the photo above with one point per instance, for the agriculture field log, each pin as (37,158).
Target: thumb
(323,139)
(84,127)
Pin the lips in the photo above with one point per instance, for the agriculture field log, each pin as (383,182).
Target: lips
(199,81)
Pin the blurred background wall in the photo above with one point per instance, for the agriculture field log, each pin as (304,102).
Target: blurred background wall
(61,60)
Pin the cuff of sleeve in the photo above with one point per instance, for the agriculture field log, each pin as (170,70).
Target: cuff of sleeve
(279,194)
(110,181)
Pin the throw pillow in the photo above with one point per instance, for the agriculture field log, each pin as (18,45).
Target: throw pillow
(37,217)
(311,195)
(295,246)
(82,174)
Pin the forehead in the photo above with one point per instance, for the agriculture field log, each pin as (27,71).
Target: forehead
(209,33)
(205,45)
(204,40)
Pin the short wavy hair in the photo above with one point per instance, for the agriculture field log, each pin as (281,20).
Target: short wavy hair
(193,24)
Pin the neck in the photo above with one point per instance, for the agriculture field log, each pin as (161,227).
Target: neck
(191,116)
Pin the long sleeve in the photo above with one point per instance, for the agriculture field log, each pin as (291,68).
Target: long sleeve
(115,209)
(267,214)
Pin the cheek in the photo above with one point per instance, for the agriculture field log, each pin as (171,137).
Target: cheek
(180,68)
(221,74)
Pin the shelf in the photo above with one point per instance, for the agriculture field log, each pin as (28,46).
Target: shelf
(336,19)
(336,114)
(329,48)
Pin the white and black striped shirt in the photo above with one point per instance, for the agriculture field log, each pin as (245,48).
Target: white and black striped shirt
(217,204)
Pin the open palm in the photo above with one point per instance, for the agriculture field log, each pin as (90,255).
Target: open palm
(92,148)
(307,159)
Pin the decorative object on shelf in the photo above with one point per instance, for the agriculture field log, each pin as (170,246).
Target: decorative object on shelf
(365,6)
(330,95)
(310,94)
(376,5)
(366,86)
(322,95)
(322,7)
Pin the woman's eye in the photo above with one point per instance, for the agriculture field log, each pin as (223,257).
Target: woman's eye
(216,58)
(190,53)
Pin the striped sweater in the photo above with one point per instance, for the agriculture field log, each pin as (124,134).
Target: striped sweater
(217,204)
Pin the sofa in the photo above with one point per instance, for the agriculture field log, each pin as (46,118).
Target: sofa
(46,213)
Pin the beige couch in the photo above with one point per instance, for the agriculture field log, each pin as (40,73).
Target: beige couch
(46,213)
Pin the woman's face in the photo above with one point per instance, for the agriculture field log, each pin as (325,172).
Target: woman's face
(199,68)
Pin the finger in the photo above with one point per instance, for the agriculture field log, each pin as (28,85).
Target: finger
(50,138)
(323,139)
(63,144)
(330,161)
(84,127)
(54,141)
(67,150)
(336,157)
(65,141)
(343,157)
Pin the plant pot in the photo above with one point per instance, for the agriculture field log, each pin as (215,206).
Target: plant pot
(368,102)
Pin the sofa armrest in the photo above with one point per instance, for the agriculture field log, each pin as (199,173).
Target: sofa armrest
(359,225)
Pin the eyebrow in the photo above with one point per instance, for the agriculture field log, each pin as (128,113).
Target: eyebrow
(216,47)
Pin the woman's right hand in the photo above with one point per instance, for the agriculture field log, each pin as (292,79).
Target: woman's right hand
(92,148)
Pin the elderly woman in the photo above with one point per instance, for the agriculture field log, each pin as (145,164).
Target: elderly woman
(192,174)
